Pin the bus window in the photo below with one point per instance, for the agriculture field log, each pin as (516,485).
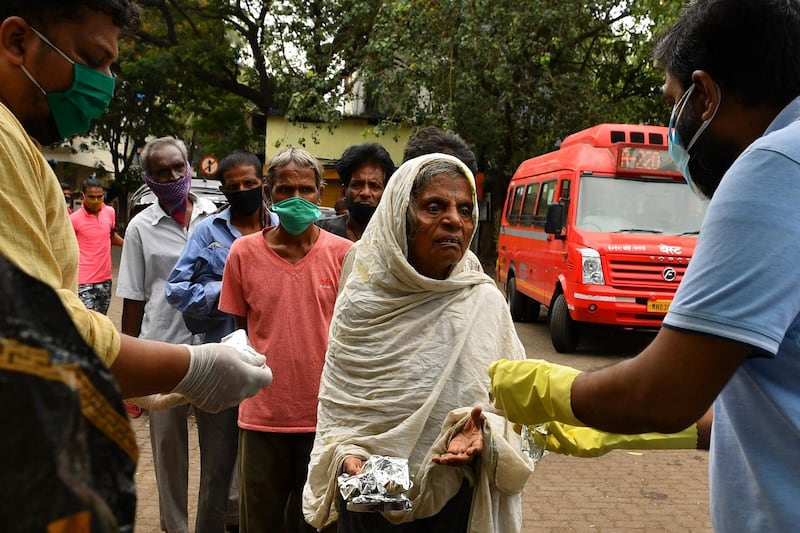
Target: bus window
(509,203)
(526,218)
(641,205)
(564,191)
(545,199)
(513,215)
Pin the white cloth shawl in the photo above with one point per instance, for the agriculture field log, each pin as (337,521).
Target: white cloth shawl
(407,360)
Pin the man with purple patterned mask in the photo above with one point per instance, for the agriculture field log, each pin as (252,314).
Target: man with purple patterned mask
(168,174)
(154,240)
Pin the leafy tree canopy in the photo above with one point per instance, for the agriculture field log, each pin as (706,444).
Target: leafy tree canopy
(512,77)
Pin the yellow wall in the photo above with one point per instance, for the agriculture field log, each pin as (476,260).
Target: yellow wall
(328,146)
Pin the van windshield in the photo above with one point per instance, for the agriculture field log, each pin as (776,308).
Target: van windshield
(625,205)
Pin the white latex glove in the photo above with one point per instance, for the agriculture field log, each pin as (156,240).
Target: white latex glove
(221,376)
(157,402)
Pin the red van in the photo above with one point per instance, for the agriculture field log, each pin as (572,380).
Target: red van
(599,231)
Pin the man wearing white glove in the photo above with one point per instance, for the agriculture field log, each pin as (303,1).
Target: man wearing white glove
(35,232)
(218,375)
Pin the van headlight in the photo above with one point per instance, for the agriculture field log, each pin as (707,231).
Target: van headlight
(591,268)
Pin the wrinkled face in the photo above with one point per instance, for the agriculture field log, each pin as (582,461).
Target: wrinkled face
(444,225)
(294,180)
(366,185)
(92,41)
(240,178)
(166,164)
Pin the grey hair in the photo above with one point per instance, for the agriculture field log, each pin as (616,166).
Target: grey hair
(424,177)
(147,151)
(298,156)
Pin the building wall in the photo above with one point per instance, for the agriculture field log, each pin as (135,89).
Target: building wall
(73,165)
(328,146)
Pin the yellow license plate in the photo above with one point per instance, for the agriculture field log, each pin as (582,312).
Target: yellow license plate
(658,306)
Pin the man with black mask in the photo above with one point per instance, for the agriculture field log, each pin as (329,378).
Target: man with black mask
(193,288)
(193,285)
(364,170)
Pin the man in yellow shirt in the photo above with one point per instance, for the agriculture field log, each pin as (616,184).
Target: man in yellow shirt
(55,59)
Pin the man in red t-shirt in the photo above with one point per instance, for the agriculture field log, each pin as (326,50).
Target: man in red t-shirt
(281,284)
(95,227)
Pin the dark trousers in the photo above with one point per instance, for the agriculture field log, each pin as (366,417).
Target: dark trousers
(453,518)
(272,472)
(217,434)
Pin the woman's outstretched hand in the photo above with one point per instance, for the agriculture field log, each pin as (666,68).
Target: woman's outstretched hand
(353,465)
(466,444)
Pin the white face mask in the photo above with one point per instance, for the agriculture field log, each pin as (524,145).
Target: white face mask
(680,154)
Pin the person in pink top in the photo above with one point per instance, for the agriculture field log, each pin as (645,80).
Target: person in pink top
(281,284)
(95,227)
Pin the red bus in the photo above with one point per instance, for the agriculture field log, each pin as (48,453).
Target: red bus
(599,231)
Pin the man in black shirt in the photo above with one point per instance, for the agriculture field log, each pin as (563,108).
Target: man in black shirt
(364,170)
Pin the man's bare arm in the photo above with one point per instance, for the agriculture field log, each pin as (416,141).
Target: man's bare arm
(667,387)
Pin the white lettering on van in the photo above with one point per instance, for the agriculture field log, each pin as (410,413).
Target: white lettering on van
(669,250)
(627,248)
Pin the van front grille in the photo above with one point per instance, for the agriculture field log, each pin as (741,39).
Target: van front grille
(646,272)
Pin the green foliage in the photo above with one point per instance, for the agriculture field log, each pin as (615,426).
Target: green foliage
(161,90)
(515,77)
(512,77)
(318,45)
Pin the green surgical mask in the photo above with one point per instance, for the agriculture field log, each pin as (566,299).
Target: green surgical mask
(296,214)
(87,97)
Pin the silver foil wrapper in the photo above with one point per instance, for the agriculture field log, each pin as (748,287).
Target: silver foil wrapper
(380,486)
(238,339)
(534,441)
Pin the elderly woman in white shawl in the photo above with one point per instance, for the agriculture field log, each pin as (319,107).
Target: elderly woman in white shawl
(415,327)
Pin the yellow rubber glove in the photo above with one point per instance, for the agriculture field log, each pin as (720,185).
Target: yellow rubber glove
(533,391)
(589,442)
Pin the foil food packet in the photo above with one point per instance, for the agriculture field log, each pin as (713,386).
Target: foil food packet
(238,339)
(534,441)
(380,487)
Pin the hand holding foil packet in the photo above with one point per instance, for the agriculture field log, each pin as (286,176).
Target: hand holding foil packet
(379,487)
(238,339)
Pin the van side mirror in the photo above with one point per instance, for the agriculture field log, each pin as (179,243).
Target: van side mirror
(555,221)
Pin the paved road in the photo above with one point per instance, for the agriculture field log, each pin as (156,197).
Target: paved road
(622,491)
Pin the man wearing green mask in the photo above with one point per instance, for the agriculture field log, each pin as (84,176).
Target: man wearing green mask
(55,75)
(281,284)
(46,49)
(95,227)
